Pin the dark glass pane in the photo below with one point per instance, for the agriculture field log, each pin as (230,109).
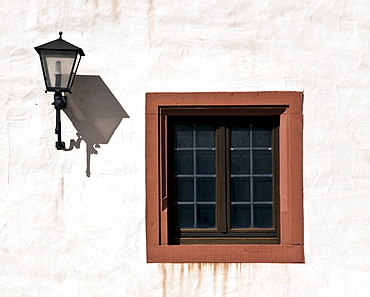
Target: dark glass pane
(183,136)
(58,66)
(184,162)
(240,137)
(240,216)
(205,162)
(205,136)
(185,189)
(240,189)
(240,163)
(262,162)
(262,189)
(262,216)
(206,217)
(261,136)
(206,189)
(185,216)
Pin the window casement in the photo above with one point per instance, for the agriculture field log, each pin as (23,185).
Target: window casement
(224,177)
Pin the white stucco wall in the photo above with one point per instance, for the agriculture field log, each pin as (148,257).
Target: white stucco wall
(63,233)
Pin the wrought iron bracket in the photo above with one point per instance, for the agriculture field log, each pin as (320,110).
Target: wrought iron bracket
(59,103)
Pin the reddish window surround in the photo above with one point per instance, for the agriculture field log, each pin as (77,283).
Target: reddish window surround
(290,249)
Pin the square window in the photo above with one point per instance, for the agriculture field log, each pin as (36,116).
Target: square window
(231,196)
(224,177)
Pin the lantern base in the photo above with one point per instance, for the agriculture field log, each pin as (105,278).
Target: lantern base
(60,145)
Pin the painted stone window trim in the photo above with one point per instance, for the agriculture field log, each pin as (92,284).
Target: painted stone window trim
(288,107)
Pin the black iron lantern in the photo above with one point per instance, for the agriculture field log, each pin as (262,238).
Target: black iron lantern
(59,62)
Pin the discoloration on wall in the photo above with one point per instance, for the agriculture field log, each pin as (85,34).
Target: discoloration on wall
(208,279)
(115,5)
(164,280)
(59,200)
(150,16)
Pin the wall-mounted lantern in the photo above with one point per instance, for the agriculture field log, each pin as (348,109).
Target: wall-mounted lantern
(59,62)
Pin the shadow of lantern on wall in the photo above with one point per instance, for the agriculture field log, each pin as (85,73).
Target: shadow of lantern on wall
(95,113)
(59,62)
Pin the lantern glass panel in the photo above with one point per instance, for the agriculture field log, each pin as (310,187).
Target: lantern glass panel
(59,68)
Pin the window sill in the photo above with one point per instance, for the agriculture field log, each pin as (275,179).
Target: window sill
(225,253)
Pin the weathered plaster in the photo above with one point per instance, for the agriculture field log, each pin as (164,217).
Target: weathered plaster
(65,234)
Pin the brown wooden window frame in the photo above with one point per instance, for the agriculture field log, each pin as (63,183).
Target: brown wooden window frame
(223,232)
(287,247)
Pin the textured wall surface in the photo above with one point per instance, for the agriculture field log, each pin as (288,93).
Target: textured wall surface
(72,223)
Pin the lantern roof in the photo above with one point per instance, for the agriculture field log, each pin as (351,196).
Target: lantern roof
(59,44)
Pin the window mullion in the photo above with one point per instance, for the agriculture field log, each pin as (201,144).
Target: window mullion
(227,172)
(221,150)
